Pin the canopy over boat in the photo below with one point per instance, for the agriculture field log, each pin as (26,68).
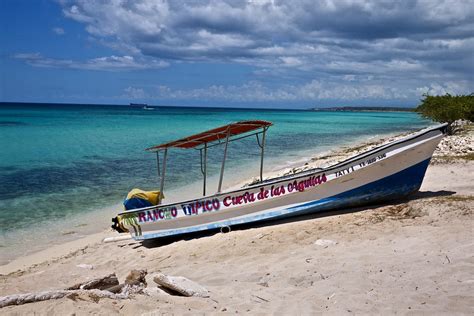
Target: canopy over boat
(213,137)
(217,134)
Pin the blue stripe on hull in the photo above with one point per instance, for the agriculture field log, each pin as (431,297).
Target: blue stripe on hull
(397,185)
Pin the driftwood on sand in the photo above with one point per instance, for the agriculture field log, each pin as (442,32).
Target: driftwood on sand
(109,287)
(19,299)
(181,285)
(99,283)
(105,287)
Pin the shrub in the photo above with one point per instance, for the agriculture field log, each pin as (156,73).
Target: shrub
(447,108)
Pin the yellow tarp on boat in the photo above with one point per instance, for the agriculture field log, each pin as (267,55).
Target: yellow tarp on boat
(152,196)
(137,198)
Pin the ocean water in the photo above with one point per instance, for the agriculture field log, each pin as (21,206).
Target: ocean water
(64,169)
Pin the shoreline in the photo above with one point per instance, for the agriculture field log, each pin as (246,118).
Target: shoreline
(404,255)
(304,162)
(82,225)
(323,159)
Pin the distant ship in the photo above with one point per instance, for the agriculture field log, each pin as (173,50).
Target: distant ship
(143,106)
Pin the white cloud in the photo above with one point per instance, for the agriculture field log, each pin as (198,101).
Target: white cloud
(58,30)
(120,63)
(110,63)
(291,61)
(451,87)
(134,93)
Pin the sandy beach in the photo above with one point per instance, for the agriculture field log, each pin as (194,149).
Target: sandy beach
(412,256)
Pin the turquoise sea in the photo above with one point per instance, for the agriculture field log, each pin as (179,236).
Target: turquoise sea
(64,169)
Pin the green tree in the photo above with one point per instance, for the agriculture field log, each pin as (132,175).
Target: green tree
(447,108)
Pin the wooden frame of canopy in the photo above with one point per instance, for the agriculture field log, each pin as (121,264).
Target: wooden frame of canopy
(218,136)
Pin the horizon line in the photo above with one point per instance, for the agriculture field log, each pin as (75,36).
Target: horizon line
(309,108)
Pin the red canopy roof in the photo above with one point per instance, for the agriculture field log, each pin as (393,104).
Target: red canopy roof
(213,135)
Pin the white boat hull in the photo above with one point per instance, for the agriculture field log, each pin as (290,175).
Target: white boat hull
(387,172)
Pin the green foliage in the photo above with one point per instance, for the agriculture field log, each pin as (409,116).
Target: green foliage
(447,108)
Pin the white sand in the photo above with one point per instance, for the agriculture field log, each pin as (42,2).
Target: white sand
(413,256)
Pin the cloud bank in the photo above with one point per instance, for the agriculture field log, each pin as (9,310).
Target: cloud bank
(109,63)
(341,49)
(316,90)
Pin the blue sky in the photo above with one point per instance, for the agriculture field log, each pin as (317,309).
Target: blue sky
(255,53)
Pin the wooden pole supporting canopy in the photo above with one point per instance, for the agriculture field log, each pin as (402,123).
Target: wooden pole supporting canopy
(204,167)
(262,146)
(219,188)
(162,183)
(210,138)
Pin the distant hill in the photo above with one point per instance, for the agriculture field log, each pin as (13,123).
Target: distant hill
(364,109)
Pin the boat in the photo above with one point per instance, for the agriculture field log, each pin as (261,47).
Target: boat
(387,172)
(144,106)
